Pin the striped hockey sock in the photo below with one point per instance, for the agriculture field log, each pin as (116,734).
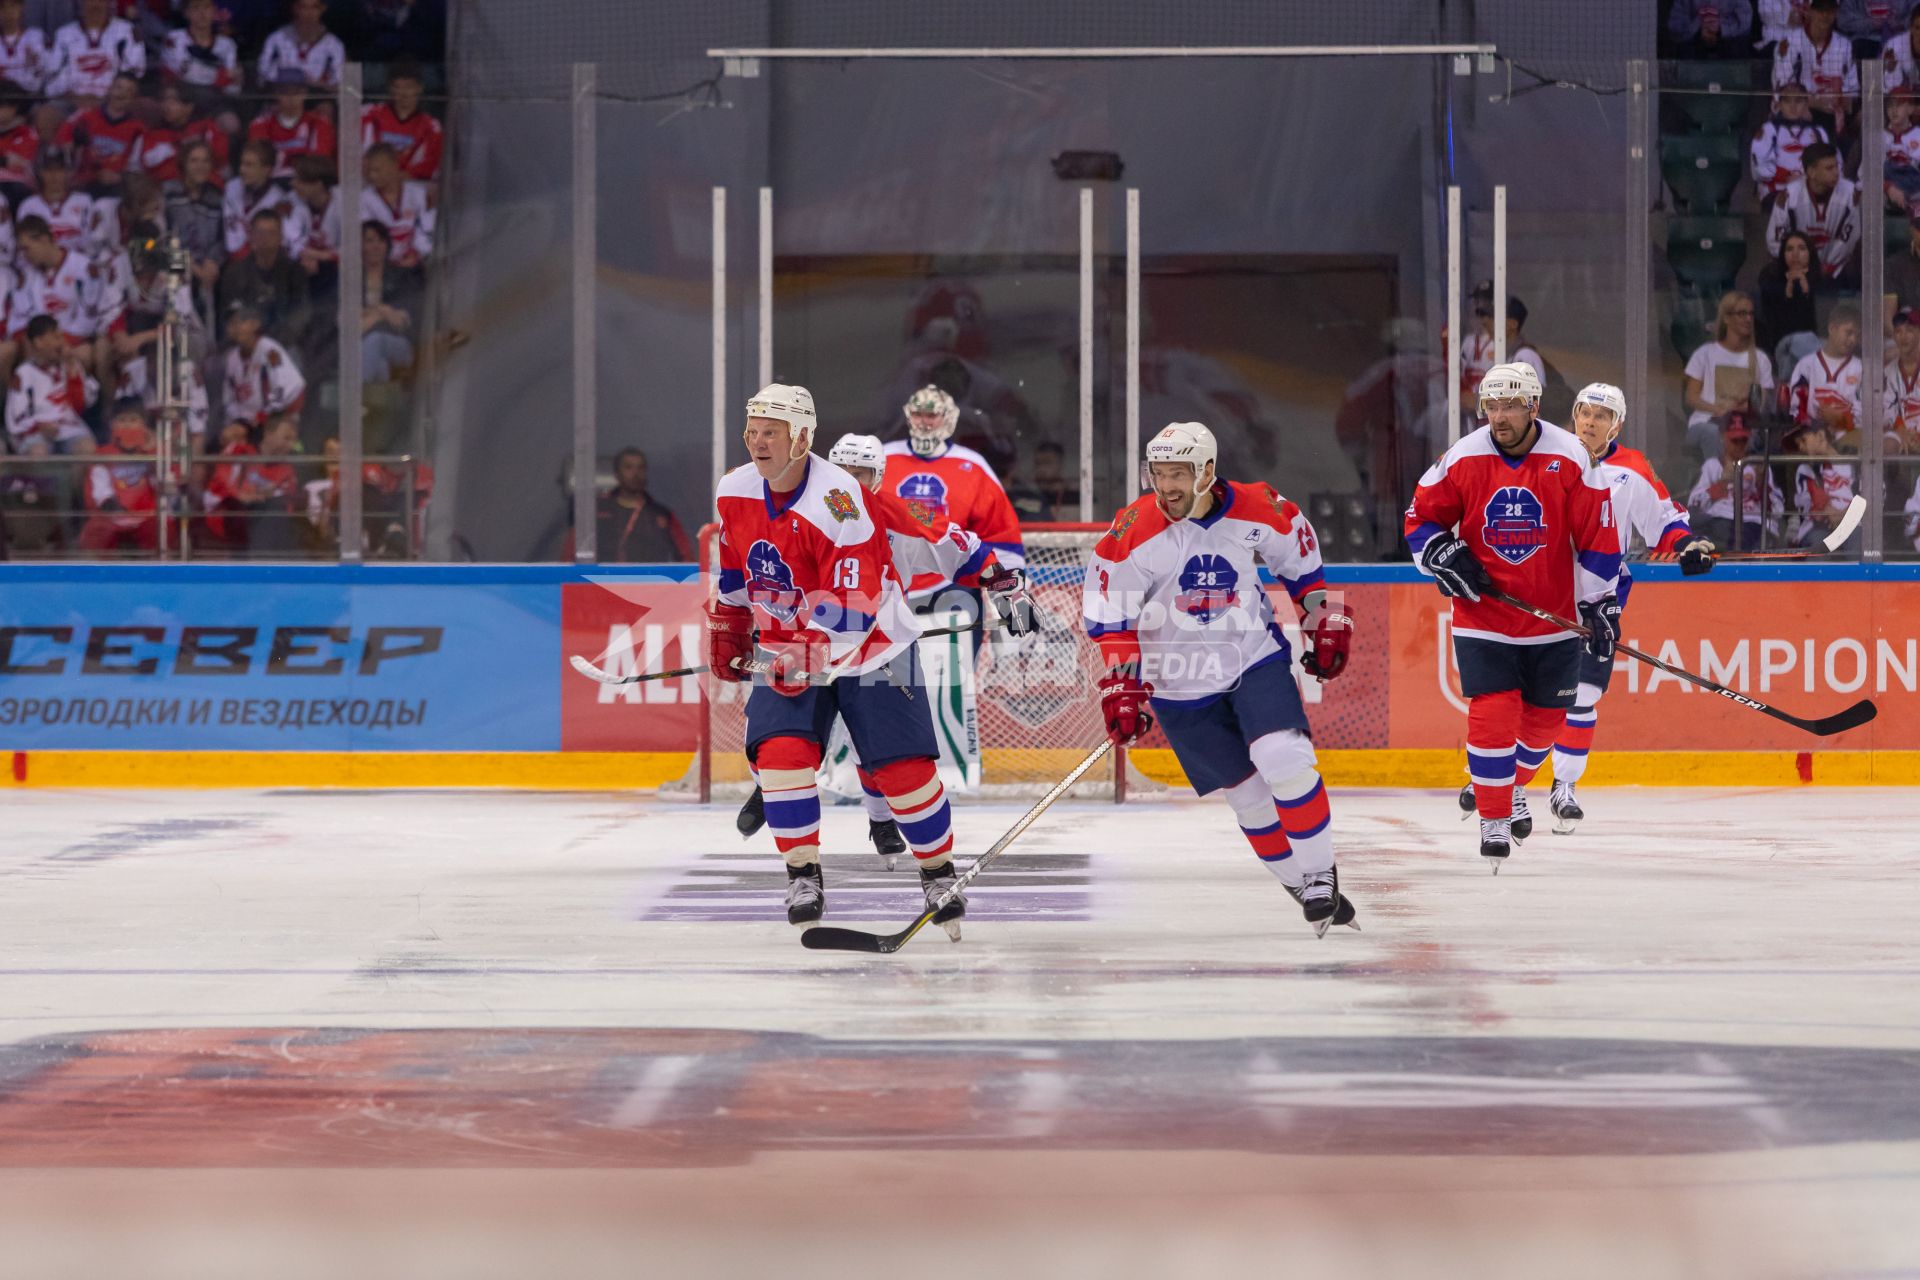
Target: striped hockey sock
(787,781)
(1493,726)
(919,804)
(1576,740)
(1539,726)
(1308,821)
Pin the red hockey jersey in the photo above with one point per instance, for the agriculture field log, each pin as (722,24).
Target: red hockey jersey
(1542,525)
(810,564)
(416,140)
(960,486)
(99,144)
(307,134)
(929,553)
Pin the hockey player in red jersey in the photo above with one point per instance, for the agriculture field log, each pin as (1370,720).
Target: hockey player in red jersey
(1174,600)
(951,481)
(806,572)
(1516,506)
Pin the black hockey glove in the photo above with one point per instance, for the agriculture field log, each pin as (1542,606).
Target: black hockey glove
(1007,590)
(1603,626)
(1697,557)
(1453,567)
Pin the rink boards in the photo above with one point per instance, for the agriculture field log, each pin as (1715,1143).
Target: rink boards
(414,676)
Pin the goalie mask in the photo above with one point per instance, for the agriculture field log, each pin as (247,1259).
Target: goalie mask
(931,418)
(791,405)
(861,451)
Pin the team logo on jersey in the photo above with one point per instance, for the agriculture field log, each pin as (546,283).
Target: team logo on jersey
(918,510)
(840,505)
(770,582)
(927,489)
(1516,524)
(1124,523)
(1207,587)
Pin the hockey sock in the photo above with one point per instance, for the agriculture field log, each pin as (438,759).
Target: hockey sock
(1287,763)
(1493,727)
(1576,740)
(786,770)
(872,799)
(919,804)
(1259,822)
(1539,726)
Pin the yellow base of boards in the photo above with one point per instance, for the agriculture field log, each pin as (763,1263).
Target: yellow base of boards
(645,770)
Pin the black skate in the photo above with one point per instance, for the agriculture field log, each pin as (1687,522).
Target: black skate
(1467,804)
(1323,904)
(934,882)
(1567,813)
(1496,841)
(752,816)
(806,894)
(887,841)
(1521,824)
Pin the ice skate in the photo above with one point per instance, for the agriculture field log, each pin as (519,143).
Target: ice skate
(806,894)
(1323,904)
(934,882)
(752,815)
(1521,824)
(1467,803)
(887,841)
(1496,841)
(1567,813)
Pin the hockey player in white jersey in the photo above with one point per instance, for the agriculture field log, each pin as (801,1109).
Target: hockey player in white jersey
(1174,600)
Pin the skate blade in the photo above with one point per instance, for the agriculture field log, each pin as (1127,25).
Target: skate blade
(1493,864)
(1320,927)
(953,930)
(888,862)
(1565,828)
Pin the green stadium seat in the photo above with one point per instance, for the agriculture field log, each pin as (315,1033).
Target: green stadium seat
(1897,234)
(1706,253)
(1715,97)
(1702,170)
(1692,323)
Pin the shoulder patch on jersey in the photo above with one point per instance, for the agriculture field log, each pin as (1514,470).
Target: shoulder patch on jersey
(918,510)
(1123,522)
(841,506)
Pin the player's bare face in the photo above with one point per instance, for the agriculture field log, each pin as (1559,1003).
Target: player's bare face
(1594,426)
(770,444)
(1510,421)
(867,477)
(1173,485)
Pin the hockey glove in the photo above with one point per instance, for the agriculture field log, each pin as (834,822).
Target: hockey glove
(1603,626)
(1329,640)
(1123,702)
(1453,567)
(791,663)
(729,640)
(1697,557)
(1007,591)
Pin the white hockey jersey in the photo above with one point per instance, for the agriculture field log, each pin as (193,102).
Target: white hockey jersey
(409,223)
(71,221)
(1713,494)
(1819,487)
(261,384)
(319,62)
(239,205)
(1642,505)
(1832,224)
(1825,71)
(36,396)
(74,293)
(1824,386)
(1185,596)
(24,59)
(1776,150)
(1902,402)
(83,63)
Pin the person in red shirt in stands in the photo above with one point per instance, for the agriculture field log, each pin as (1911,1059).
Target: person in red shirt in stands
(161,145)
(103,139)
(19,144)
(291,128)
(414,135)
(122,496)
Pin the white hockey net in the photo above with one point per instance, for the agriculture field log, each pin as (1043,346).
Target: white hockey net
(1038,716)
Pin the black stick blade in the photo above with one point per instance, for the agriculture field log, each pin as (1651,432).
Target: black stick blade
(828,938)
(1852,718)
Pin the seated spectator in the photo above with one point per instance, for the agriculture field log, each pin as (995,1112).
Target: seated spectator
(1049,495)
(203,64)
(414,135)
(62,286)
(633,527)
(1898,56)
(1721,29)
(88,53)
(251,506)
(1877,20)
(1712,496)
(24,59)
(392,309)
(1816,56)
(306,46)
(292,130)
(398,205)
(1900,420)
(385,508)
(113,219)
(267,280)
(195,211)
(19,144)
(123,498)
(1782,141)
(67,212)
(1824,204)
(1724,374)
(1903,151)
(261,378)
(103,140)
(1822,488)
(313,187)
(254,190)
(49,391)
(1825,387)
(1790,287)
(160,146)
(1776,18)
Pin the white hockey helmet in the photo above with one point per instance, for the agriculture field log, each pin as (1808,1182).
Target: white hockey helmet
(861,451)
(1604,395)
(789,404)
(1183,442)
(1514,380)
(926,438)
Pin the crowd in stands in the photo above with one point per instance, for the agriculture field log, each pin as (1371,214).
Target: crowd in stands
(1781,369)
(127,123)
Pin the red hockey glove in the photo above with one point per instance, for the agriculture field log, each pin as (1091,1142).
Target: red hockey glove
(729,639)
(1123,701)
(791,662)
(1329,641)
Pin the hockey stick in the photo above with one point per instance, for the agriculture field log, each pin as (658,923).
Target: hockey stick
(1855,513)
(752,666)
(1852,718)
(828,938)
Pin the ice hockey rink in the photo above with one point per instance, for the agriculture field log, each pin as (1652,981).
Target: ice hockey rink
(1683,1042)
